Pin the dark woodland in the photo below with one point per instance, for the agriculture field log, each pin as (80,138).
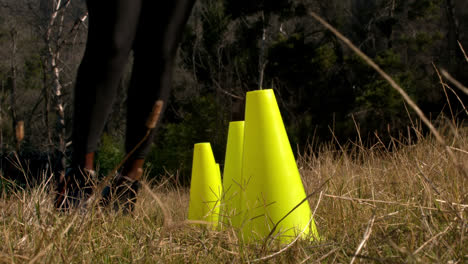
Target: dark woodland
(325,92)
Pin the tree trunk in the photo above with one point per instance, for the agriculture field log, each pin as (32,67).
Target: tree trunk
(13,88)
(452,34)
(1,120)
(55,26)
(46,109)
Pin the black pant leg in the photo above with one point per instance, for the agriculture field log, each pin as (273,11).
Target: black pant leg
(111,33)
(156,43)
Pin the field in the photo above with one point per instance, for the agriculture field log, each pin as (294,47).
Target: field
(406,202)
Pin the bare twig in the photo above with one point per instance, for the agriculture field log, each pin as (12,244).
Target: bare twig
(369,201)
(44,251)
(218,86)
(433,186)
(297,237)
(453,204)
(321,258)
(459,99)
(461,150)
(455,82)
(167,216)
(292,210)
(463,51)
(445,85)
(432,239)
(365,238)
(445,91)
(392,83)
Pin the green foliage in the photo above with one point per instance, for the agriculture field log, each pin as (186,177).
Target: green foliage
(319,83)
(377,103)
(423,9)
(214,23)
(311,83)
(203,121)
(248,7)
(379,98)
(421,41)
(325,58)
(110,153)
(389,60)
(247,51)
(6,187)
(33,72)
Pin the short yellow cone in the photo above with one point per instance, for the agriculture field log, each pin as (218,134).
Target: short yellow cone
(205,186)
(232,174)
(270,178)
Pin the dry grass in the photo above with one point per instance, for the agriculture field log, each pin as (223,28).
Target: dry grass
(414,199)
(408,205)
(371,205)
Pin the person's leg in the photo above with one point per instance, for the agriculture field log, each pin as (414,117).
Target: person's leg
(111,32)
(156,43)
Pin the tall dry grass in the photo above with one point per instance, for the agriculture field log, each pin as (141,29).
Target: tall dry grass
(403,203)
(372,205)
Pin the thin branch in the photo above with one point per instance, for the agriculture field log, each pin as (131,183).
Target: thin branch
(455,82)
(432,239)
(445,91)
(365,238)
(453,204)
(218,86)
(297,237)
(167,216)
(463,51)
(393,84)
(369,201)
(292,210)
(79,21)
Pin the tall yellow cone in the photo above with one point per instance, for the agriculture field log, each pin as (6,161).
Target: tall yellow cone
(270,178)
(205,186)
(218,170)
(232,174)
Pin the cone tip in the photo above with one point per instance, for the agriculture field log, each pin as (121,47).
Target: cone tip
(237,122)
(202,144)
(260,91)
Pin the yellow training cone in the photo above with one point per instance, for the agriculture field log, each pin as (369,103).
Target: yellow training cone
(205,186)
(218,170)
(232,174)
(270,178)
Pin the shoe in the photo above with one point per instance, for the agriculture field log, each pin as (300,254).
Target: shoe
(121,194)
(74,188)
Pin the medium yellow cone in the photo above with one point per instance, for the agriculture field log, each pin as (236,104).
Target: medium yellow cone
(270,178)
(232,174)
(205,186)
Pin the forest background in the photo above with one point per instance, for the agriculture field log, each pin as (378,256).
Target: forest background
(325,92)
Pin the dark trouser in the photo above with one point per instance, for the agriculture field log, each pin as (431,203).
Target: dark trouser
(152,29)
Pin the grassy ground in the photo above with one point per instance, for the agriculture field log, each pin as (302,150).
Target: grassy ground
(373,205)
